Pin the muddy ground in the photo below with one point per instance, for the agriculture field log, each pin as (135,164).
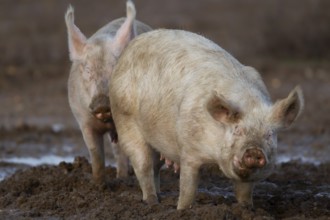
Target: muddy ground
(287,46)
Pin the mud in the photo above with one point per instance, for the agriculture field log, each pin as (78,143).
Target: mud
(66,191)
(38,131)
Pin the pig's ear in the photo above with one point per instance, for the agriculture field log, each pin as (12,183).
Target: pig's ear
(287,110)
(126,32)
(223,111)
(77,40)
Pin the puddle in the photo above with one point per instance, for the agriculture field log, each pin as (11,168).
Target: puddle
(305,153)
(225,192)
(302,159)
(9,166)
(31,161)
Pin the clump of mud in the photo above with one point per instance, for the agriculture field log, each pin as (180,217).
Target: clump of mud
(294,191)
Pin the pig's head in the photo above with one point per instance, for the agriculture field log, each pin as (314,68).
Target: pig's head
(251,134)
(94,60)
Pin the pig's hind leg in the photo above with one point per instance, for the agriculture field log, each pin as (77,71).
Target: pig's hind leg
(141,156)
(121,160)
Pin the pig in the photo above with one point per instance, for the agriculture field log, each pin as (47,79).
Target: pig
(178,94)
(93,60)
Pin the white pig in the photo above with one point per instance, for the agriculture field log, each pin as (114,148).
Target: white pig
(181,95)
(92,62)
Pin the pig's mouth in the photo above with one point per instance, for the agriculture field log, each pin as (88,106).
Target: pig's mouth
(252,161)
(100,108)
(106,118)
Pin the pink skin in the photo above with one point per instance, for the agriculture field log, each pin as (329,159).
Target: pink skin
(93,60)
(169,164)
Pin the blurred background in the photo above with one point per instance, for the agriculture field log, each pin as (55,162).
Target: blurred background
(287,41)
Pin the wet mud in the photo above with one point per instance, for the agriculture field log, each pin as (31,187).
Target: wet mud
(65,191)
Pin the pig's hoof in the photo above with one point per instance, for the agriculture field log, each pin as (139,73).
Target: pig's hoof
(247,206)
(152,200)
(99,180)
(122,174)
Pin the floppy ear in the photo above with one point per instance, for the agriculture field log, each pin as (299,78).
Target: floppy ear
(126,32)
(77,40)
(287,110)
(223,111)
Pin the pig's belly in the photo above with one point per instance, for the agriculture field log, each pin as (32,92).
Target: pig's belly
(159,127)
(165,143)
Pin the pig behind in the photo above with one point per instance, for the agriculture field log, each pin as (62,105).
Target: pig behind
(92,62)
(176,93)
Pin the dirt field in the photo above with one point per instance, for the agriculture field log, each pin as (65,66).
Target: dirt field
(289,47)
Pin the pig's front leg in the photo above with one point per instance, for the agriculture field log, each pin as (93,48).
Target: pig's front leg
(94,142)
(121,160)
(188,183)
(243,192)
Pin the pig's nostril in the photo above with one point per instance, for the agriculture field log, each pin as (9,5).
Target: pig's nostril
(262,162)
(253,158)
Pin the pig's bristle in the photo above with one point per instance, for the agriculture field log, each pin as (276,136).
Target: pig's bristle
(130,9)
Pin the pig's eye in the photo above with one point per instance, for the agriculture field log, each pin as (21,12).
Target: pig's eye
(269,135)
(88,69)
(87,73)
(238,131)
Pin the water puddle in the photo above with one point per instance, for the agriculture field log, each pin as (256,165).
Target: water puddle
(9,166)
(48,159)
(302,159)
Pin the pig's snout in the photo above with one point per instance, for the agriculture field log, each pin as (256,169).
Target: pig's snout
(253,158)
(100,108)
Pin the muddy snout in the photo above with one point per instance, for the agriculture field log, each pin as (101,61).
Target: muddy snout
(100,108)
(252,160)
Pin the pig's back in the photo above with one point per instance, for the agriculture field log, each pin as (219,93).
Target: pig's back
(111,28)
(164,77)
(160,68)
